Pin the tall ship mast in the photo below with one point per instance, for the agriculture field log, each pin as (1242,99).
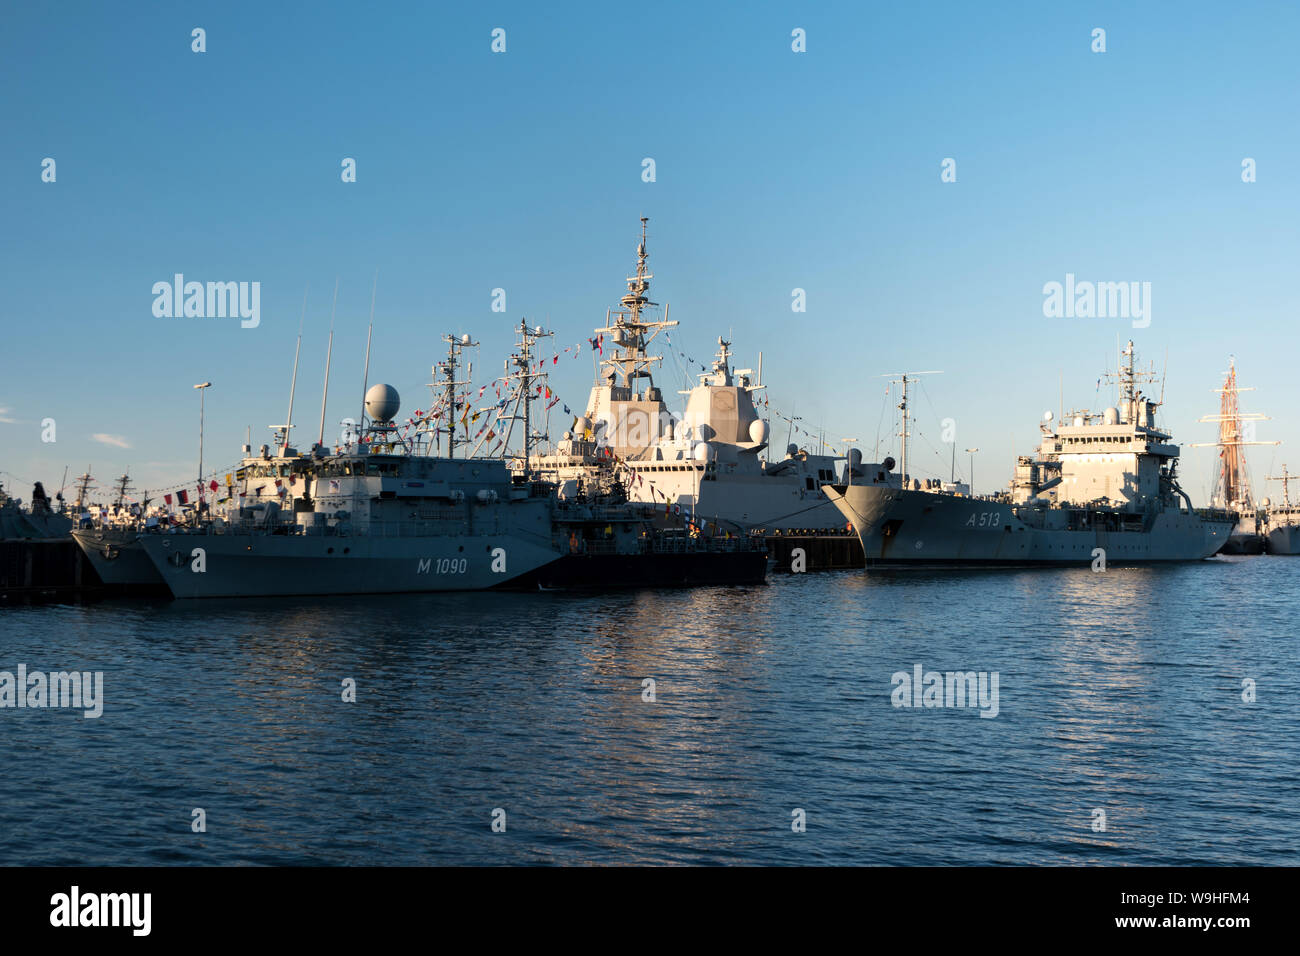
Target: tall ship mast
(1232,476)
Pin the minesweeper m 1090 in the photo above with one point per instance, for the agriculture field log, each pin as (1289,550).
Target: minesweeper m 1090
(1103,486)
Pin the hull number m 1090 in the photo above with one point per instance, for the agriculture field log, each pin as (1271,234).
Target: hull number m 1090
(985,519)
(443,565)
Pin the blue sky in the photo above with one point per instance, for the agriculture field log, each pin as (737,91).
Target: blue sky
(775,170)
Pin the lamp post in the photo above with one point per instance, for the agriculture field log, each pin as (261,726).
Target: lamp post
(972,452)
(202,387)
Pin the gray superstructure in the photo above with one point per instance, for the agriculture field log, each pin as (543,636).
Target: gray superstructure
(1102,488)
(713,462)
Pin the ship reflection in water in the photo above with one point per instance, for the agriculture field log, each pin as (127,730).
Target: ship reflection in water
(1120,692)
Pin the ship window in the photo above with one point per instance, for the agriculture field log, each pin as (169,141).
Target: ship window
(809,482)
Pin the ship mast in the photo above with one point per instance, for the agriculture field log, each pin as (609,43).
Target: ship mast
(83,488)
(628,332)
(1232,484)
(447,369)
(123,486)
(1128,377)
(905,379)
(282,431)
(526,379)
(1285,478)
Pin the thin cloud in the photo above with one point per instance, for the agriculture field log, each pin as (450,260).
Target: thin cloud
(117,441)
(4,416)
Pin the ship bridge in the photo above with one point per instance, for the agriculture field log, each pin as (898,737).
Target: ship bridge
(1118,459)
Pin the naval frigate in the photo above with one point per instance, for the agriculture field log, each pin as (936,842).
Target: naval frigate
(1103,486)
(710,462)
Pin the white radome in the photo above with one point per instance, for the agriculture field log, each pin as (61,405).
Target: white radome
(382,403)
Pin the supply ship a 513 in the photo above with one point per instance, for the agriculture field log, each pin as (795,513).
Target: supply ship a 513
(1101,482)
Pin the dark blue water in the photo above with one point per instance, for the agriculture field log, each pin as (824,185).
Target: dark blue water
(1119,691)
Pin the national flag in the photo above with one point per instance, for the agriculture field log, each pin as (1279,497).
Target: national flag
(168,499)
(183,496)
(228,481)
(212,485)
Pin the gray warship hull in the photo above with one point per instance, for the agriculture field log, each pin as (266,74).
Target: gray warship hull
(1283,539)
(271,565)
(118,558)
(902,528)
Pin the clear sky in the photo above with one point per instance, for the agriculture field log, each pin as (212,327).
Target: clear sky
(522,170)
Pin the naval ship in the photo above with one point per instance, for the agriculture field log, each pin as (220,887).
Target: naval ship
(1281,525)
(384,513)
(709,463)
(38,520)
(375,518)
(1103,486)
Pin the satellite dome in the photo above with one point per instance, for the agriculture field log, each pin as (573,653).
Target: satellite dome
(791,450)
(1266,502)
(464,339)
(1047,415)
(382,403)
(758,431)
(582,425)
(682,431)
(888,463)
(855,457)
(1111,416)
(704,452)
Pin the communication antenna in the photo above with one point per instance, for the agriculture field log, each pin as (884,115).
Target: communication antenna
(365,377)
(905,379)
(329,353)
